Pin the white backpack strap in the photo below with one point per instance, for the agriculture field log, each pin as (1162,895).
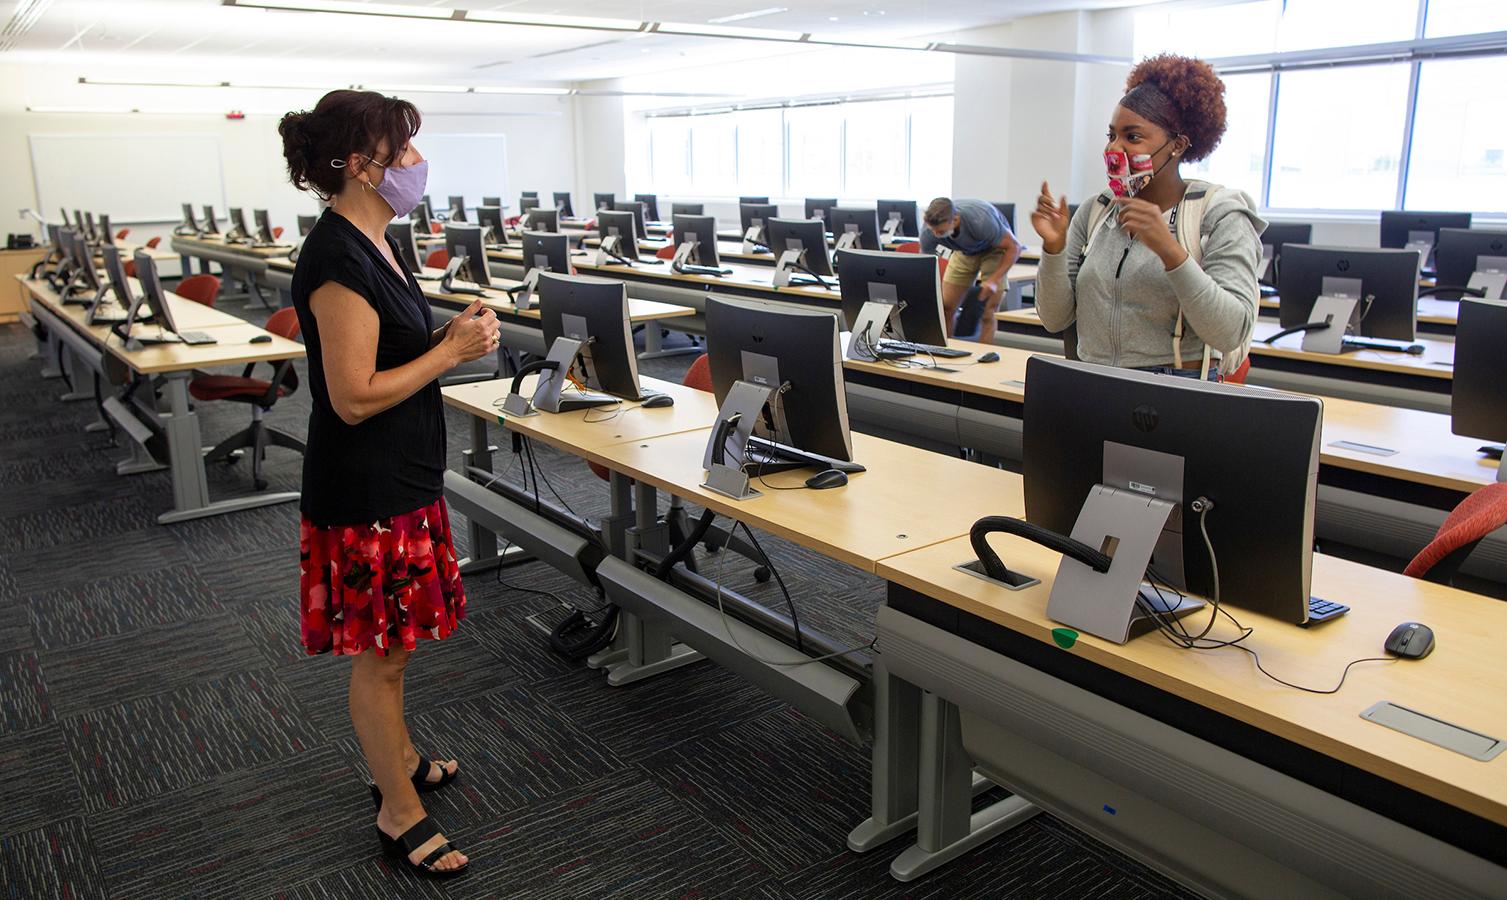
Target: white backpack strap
(1098,212)
(1189,228)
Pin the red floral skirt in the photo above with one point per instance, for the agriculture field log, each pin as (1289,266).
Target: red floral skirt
(381,585)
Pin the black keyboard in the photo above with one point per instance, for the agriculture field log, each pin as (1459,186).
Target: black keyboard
(197,337)
(1321,610)
(688,269)
(932,349)
(1368,343)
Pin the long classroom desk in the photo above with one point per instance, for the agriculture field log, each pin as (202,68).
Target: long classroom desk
(1435,316)
(176,363)
(246,261)
(1419,381)
(888,521)
(1388,475)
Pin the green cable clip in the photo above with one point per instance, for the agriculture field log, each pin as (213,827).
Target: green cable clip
(1065,637)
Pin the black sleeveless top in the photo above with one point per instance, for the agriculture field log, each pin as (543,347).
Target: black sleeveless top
(394,461)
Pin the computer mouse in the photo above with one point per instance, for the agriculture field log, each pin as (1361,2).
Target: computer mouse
(659,401)
(262,339)
(827,478)
(1415,349)
(1410,640)
(991,356)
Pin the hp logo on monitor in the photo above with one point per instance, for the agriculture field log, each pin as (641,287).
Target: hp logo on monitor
(1144,417)
(1343,265)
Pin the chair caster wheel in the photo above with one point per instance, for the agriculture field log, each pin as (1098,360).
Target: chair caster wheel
(712,548)
(761,574)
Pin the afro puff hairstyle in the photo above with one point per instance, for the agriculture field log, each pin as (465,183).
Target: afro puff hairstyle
(1196,95)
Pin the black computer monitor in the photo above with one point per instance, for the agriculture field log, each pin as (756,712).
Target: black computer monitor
(491,201)
(651,205)
(637,209)
(753,200)
(863,222)
(751,215)
(774,345)
(1400,228)
(622,225)
(263,226)
(904,211)
(820,208)
(550,252)
(115,274)
(408,247)
(1459,253)
(702,230)
(911,279)
(526,203)
(809,236)
(423,217)
(189,219)
(687,209)
(1171,438)
(429,203)
(68,263)
(542,220)
(562,203)
(457,208)
(1072,210)
(490,219)
(238,223)
(531,195)
(84,275)
(1388,287)
(602,201)
(67,223)
(106,233)
(306,224)
(462,240)
(89,233)
(1478,400)
(152,293)
(210,226)
(1008,211)
(1278,235)
(594,311)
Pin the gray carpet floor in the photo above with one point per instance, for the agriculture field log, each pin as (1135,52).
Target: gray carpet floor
(163,735)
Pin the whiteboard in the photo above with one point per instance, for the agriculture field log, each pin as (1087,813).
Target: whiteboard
(128,177)
(470,165)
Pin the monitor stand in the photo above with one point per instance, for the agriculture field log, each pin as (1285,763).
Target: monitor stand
(1489,277)
(848,240)
(447,280)
(548,393)
(1127,525)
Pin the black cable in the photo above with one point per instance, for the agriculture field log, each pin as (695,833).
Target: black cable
(795,621)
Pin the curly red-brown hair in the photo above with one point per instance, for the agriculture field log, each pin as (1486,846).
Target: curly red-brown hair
(1194,94)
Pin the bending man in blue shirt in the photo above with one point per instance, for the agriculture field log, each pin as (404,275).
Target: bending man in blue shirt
(981,245)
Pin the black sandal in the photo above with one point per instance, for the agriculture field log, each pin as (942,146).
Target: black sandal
(403,845)
(420,776)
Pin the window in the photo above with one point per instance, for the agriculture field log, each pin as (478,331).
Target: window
(1240,159)
(814,135)
(761,152)
(714,155)
(931,148)
(1459,158)
(1311,24)
(1339,138)
(670,155)
(1237,29)
(874,148)
(1451,17)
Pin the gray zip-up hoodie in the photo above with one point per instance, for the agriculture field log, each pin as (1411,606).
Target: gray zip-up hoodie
(1126,302)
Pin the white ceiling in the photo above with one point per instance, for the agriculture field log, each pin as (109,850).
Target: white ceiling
(202,38)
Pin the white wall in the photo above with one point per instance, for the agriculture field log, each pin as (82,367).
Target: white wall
(540,137)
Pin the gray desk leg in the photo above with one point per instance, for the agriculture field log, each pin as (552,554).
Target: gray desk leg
(892,785)
(482,541)
(51,366)
(204,266)
(99,424)
(651,650)
(70,362)
(186,452)
(945,828)
(615,532)
(1014,295)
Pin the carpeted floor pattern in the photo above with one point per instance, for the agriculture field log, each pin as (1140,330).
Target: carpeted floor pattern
(162,734)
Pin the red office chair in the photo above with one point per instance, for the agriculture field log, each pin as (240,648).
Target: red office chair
(667,251)
(908,247)
(277,232)
(152,244)
(130,268)
(1239,376)
(261,396)
(121,234)
(203,289)
(436,228)
(1478,515)
(438,258)
(699,376)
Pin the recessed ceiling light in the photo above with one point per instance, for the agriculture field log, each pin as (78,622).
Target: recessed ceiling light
(738,17)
